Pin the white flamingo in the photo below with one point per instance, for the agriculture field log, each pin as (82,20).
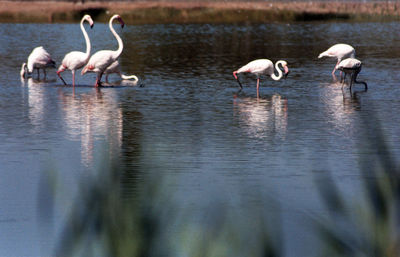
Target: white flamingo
(351,66)
(75,60)
(38,59)
(340,52)
(263,66)
(115,68)
(99,62)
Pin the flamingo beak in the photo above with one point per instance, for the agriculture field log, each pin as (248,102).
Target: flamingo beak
(286,71)
(121,21)
(237,79)
(91,25)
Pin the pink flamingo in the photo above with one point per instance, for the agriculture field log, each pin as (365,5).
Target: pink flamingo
(339,51)
(114,68)
(75,60)
(263,66)
(38,59)
(99,62)
(353,67)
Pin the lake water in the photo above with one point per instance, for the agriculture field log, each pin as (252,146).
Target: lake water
(187,123)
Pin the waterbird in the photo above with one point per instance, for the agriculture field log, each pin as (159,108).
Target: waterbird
(75,60)
(115,68)
(99,61)
(38,59)
(263,66)
(351,66)
(339,51)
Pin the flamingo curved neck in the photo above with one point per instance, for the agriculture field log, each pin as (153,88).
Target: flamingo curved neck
(87,40)
(273,76)
(126,77)
(120,44)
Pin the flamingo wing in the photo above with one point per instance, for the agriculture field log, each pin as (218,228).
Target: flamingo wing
(74,60)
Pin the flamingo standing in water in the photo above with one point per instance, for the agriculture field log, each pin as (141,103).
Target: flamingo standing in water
(263,66)
(75,60)
(340,52)
(351,66)
(114,68)
(99,62)
(38,59)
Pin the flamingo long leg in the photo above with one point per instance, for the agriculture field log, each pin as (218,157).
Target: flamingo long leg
(73,78)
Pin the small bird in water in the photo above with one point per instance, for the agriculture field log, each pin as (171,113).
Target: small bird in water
(263,67)
(351,66)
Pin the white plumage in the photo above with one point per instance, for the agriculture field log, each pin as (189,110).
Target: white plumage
(99,62)
(115,68)
(351,66)
(38,59)
(75,60)
(340,52)
(263,67)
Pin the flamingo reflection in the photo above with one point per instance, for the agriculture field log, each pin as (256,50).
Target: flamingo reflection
(36,101)
(340,106)
(92,117)
(263,117)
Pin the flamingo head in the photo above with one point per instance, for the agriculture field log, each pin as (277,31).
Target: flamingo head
(88,19)
(119,19)
(23,70)
(285,68)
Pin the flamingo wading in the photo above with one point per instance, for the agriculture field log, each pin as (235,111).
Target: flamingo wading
(263,66)
(38,59)
(115,68)
(75,60)
(340,52)
(351,66)
(99,61)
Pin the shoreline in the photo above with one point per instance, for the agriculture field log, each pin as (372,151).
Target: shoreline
(164,12)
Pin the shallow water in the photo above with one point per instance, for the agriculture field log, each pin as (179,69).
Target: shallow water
(188,122)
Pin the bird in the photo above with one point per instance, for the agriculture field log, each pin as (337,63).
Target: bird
(351,66)
(263,66)
(99,61)
(75,60)
(38,59)
(115,68)
(340,52)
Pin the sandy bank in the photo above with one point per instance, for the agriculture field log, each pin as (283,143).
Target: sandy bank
(196,12)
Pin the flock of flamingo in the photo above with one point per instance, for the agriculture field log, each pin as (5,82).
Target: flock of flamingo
(106,61)
(346,63)
(102,62)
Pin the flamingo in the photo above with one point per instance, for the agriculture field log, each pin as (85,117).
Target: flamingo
(114,68)
(263,66)
(75,60)
(102,59)
(38,59)
(339,51)
(351,66)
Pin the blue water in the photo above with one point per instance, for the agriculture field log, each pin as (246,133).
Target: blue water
(186,122)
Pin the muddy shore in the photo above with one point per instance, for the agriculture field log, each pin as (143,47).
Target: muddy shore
(150,12)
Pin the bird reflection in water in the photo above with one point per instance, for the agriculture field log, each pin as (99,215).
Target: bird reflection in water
(36,101)
(92,117)
(262,117)
(340,105)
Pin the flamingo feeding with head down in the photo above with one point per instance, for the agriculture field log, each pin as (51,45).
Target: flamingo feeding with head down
(75,60)
(38,59)
(99,62)
(340,52)
(263,66)
(351,66)
(115,68)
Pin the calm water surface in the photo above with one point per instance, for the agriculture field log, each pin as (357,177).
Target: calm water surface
(189,124)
